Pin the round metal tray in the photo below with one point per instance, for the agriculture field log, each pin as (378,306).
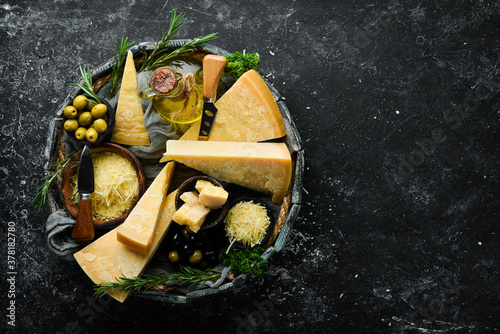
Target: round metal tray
(293,141)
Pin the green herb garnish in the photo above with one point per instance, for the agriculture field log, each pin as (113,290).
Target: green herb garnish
(157,57)
(87,85)
(244,261)
(43,190)
(117,71)
(187,276)
(239,63)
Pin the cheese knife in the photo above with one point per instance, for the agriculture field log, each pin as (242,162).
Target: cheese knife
(84,226)
(213,66)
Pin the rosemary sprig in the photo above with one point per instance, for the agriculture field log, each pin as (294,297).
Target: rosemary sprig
(187,276)
(87,86)
(117,71)
(43,190)
(157,58)
(175,24)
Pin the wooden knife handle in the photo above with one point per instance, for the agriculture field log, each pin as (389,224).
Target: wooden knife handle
(213,66)
(84,226)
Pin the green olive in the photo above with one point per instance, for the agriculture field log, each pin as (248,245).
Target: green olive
(90,105)
(100,125)
(71,125)
(196,257)
(99,110)
(173,256)
(70,112)
(85,119)
(80,102)
(80,133)
(91,135)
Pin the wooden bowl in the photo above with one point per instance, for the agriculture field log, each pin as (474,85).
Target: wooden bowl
(69,172)
(215,216)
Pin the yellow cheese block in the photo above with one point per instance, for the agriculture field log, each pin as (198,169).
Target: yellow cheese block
(106,259)
(247,112)
(190,198)
(200,184)
(129,126)
(265,167)
(213,197)
(191,215)
(138,229)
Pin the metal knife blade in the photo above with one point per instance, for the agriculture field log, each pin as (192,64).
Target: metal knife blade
(86,172)
(213,66)
(84,226)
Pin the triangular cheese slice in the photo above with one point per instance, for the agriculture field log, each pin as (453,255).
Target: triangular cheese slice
(247,112)
(138,229)
(265,167)
(129,126)
(106,259)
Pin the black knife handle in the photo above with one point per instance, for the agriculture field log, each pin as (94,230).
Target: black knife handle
(84,226)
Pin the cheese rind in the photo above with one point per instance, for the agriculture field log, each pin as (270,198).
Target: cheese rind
(247,112)
(129,125)
(106,259)
(265,167)
(138,229)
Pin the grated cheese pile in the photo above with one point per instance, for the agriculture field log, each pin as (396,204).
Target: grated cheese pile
(247,223)
(116,185)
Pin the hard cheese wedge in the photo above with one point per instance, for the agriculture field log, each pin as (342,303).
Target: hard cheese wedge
(265,167)
(129,127)
(138,229)
(106,259)
(192,215)
(213,197)
(247,112)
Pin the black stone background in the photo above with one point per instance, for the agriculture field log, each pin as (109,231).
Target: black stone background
(398,107)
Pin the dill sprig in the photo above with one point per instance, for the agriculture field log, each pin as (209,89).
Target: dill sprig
(87,85)
(117,71)
(186,276)
(157,57)
(47,182)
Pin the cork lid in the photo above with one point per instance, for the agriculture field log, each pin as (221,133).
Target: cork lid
(163,80)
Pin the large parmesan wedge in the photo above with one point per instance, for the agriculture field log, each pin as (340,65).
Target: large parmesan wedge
(106,259)
(138,229)
(129,126)
(265,167)
(247,112)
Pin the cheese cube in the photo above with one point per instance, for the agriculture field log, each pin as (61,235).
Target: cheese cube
(190,198)
(213,197)
(202,183)
(191,215)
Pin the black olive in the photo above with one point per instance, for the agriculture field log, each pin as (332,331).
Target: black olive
(185,251)
(195,240)
(177,239)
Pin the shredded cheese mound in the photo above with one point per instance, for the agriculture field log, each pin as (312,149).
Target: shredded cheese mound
(247,223)
(116,185)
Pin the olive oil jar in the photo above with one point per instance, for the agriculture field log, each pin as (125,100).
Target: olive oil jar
(176,91)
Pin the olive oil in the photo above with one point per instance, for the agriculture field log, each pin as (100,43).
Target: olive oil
(176,91)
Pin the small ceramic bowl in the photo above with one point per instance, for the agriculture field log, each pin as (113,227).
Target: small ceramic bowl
(237,200)
(69,172)
(215,216)
(103,137)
